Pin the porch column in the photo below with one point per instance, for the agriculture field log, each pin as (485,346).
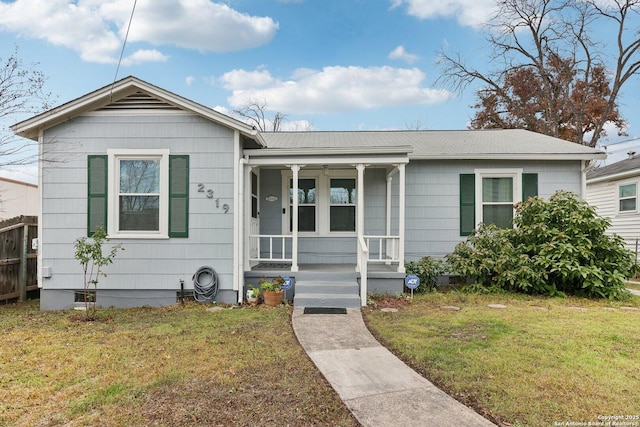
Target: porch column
(388,212)
(294,219)
(247,215)
(360,201)
(401,218)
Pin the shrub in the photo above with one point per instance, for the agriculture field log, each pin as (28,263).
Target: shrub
(427,269)
(556,247)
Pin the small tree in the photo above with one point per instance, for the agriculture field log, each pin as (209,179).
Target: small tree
(88,250)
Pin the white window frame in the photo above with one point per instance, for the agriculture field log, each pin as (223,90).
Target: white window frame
(113,218)
(619,199)
(515,174)
(323,200)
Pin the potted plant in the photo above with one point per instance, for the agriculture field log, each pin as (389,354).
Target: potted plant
(252,295)
(272,291)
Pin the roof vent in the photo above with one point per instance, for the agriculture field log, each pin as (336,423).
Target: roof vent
(631,154)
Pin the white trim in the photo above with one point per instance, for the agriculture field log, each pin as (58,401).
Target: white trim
(618,198)
(113,156)
(515,174)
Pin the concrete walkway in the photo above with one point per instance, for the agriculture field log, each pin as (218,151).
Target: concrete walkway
(378,388)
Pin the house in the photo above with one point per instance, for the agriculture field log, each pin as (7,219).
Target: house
(183,187)
(613,191)
(17,198)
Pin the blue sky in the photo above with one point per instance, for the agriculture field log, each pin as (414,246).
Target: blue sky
(326,65)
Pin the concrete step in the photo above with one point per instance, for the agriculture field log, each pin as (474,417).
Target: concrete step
(327,287)
(327,294)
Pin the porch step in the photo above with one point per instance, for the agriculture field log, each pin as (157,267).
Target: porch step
(322,293)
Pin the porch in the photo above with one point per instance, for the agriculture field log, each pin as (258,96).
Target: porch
(329,285)
(326,213)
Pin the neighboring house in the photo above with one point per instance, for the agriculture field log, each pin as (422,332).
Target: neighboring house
(182,186)
(17,198)
(613,191)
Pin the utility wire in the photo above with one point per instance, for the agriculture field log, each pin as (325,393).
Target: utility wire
(124,43)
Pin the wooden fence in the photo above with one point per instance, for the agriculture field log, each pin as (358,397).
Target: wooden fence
(18,260)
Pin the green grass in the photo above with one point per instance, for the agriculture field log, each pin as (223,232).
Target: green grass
(537,362)
(174,366)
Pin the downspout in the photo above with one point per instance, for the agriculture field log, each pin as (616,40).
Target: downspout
(583,177)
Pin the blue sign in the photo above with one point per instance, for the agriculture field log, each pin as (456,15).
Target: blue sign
(288,282)
(412,281)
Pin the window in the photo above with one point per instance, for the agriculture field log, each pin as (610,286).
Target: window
(342,205)
(306,204)
(627,195)
(326,202)
(488,196)
(139,193)
(497,201)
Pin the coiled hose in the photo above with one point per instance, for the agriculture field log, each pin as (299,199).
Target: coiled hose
(205,284)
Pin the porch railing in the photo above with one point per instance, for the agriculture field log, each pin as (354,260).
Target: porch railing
(383,248)
(270,248)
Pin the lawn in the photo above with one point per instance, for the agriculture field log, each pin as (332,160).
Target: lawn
(538,362)
(174,366)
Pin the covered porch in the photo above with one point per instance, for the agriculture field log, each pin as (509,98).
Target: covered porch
(347,218)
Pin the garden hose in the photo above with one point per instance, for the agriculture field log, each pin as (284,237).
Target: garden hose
(205,284)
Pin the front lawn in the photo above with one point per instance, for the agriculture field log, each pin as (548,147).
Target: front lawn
(537,362)
(174,366)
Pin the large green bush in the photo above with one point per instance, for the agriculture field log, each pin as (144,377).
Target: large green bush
(428,269)
(557,247)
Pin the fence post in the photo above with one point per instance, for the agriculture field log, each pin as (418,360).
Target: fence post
(22,285)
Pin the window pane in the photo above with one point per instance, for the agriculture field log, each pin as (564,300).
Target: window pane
(500,215)
(628,204)
(343,191)
(306,191)
(140,213)
(628,190)
(306,218)
(139,176)
(497,190)
(343,218)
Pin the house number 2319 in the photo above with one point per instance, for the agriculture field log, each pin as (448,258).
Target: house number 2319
(209,193)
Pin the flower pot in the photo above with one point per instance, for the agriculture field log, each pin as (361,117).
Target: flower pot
(273,298)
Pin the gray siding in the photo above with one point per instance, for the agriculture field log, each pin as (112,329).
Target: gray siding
(433,193)
(432,205)
(146,264)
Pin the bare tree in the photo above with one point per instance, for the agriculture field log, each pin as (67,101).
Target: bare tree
(21,94)
(254,112)
(550,74)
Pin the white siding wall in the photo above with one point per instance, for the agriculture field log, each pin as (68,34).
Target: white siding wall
(603,196)
(145,264)
(17,198)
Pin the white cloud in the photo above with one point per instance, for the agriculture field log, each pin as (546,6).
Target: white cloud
(96,28)
(332,89)
(400,53)
(189,80)
(472,13)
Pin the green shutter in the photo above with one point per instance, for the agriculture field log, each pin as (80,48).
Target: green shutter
(178,196)
(96,193)
(529,185)
(467,203)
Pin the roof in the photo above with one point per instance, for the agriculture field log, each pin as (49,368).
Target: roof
(129,92)
(457,144)
(619,170)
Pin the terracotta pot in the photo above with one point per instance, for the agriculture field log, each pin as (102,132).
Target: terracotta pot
(273,298)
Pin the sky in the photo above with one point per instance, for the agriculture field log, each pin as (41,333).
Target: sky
(323,64)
